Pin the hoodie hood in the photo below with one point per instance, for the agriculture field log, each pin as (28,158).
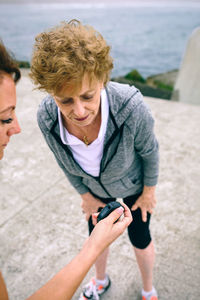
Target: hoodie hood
(123,99)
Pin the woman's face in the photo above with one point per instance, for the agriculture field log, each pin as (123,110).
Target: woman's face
(80,108)
(8,120)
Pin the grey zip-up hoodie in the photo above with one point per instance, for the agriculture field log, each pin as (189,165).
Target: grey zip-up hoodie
(130,155)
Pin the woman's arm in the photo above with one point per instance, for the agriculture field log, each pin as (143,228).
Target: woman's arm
(147,147)
(3,290)
(64,284)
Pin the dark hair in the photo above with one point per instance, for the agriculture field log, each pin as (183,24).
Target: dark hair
(8,64)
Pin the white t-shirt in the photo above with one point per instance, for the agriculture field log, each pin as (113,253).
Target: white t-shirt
(88,157)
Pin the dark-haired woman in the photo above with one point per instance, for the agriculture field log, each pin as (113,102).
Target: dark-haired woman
(63,285)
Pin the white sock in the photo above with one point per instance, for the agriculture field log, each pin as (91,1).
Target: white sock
(148,294)
(103,282)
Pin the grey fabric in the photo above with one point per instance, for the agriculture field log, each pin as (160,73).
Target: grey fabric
(130,158)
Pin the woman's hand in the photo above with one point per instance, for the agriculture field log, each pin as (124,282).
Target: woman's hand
(146,202)
(90,204)
(106,231)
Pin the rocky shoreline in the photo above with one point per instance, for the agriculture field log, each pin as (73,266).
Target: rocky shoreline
(156,86)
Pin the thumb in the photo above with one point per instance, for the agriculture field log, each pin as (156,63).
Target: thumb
(115,215)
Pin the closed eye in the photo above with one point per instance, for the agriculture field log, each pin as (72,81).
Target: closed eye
(87,97)
(7,121)
(67,101)
(71,100)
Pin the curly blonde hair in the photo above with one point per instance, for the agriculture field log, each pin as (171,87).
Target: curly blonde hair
(64,54)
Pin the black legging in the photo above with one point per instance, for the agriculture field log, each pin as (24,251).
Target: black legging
(138,231)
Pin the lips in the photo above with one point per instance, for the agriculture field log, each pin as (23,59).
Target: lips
(81,119)
(4,145)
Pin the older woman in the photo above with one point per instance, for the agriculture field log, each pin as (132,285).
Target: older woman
(101,134)
(63,284)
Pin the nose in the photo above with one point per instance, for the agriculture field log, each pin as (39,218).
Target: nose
(15,128)
(79,109)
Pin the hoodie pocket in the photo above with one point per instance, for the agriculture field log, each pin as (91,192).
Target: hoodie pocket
(131,182)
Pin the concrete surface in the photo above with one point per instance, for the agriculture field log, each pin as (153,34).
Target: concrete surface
(42,227)
(187,87)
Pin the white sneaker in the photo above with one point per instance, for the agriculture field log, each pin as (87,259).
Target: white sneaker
(153,295)
(92,291)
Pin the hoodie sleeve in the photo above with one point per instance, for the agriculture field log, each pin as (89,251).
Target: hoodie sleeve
(146,144)
(75,181)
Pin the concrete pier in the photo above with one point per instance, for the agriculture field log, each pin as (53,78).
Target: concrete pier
(42,227)
(187,87)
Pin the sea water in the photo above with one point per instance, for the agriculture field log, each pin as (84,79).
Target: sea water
(150,38)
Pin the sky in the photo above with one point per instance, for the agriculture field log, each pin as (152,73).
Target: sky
(99,1)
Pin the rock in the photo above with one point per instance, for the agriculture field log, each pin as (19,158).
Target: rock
(135,76)
(164,80)
(187,87)
(157,86)
(23,64)
(145,89)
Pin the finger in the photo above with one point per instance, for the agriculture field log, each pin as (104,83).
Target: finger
(150,211)
(115,215)
(144,215)
(127,214)
(134,207)
(94,218)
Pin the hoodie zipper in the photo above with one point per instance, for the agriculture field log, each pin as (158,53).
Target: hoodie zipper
(66,148)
